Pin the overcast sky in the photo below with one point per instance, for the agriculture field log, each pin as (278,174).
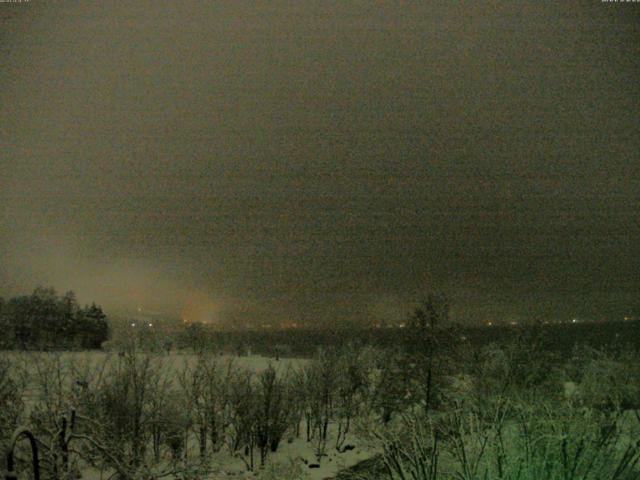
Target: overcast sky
(323,162)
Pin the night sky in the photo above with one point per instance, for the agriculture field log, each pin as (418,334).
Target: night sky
(323,162)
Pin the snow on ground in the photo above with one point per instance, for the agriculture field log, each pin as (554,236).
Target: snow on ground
(291,452)
(292,456)
(300,453)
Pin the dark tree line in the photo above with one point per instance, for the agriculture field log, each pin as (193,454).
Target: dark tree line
(45,320)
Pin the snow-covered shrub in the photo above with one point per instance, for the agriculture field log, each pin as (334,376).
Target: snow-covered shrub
(519,368)
(321,376)
(411,452)
(523,440)
(205,389)
(129,421)
(553,440)
(242,405)
(350,389)
(396,384)
(610,383)
(273,410)
(11,404)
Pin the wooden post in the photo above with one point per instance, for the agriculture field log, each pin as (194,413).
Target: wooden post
(11,475)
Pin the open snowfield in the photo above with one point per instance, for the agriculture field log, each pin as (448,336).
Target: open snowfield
(86,364)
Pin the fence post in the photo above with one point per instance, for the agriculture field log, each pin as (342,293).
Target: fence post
(21,431)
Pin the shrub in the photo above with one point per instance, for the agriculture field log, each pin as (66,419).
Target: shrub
(524,441)
(608,383)
(272,416)
(11,403)
(130,411)
(411,452)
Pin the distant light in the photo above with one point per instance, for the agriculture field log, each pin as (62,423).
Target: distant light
(133,324)
(489,324)
(575,320)
(151,324)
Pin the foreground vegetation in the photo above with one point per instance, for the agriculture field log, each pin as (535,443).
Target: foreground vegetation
(509,411)
(514,415)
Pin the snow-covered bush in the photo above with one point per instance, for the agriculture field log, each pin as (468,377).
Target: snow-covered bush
(350,389)
(204,388)
(523,440)
(11,403)
(411,452)
(273,412)
(610,383)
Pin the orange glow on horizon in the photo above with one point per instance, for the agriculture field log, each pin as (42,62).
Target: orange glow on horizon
(198,308)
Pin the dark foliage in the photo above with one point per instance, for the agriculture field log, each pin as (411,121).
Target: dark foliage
(44,320)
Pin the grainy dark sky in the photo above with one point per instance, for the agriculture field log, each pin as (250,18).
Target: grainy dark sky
(323,162)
